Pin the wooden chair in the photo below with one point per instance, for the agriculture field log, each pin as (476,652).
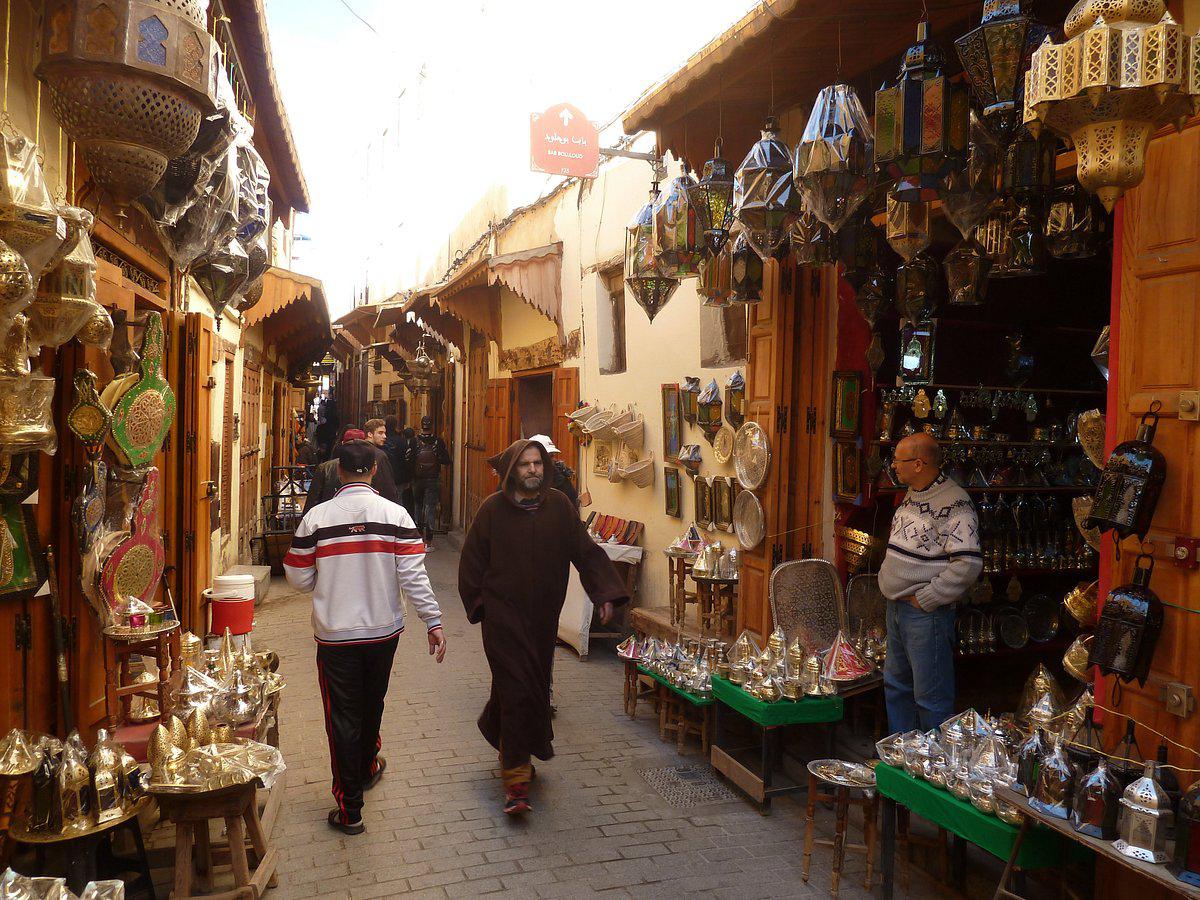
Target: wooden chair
(842,801)
(118,687)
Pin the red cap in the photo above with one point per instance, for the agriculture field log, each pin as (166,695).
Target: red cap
(354,434)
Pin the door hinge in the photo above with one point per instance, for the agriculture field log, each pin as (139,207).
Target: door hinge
(785,275)
(806,550)
(23,632)
(192,343)
(189,442)
(189,540)
(810,420)
(781,419)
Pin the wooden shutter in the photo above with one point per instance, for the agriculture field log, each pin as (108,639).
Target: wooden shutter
(768,395)
(194,517)
(227,446)
(251,439)
(566,398)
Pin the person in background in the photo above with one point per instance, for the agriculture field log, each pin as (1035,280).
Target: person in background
(396,446)
(429,455)
(360,556)
(932,559)
(564,476)
(325,481)
(512,578)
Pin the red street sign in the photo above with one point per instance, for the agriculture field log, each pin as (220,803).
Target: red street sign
(563,142)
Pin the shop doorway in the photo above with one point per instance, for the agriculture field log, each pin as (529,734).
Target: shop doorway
(535,404)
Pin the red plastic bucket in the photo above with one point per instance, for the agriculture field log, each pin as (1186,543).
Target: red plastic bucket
(235,614)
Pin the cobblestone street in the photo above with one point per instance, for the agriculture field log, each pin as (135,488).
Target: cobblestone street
(434,823)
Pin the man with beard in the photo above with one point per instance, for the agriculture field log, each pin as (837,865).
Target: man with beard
(513,579)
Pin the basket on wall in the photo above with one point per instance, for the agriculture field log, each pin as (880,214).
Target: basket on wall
(631,433)
(615,473)
(597,424)
(582,414)
(640,473)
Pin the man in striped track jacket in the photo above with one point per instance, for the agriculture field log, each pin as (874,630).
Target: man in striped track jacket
(359,555)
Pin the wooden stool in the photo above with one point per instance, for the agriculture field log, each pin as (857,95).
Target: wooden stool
(674,720)
(842,801)
(118,690)
(194,850)
(678,569)
(638,686)
(716,599)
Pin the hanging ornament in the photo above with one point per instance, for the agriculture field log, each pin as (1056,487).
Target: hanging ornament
(650,287)
(996,56)
(765,199)
(810,241)
(1075,225)
(712,200)
(970,188)
(966,268)
(677,239)
(835,167)
(716,277)
(747,272)
(1124,70)
(921,122)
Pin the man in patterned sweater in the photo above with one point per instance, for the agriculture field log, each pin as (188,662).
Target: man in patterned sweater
(932,559)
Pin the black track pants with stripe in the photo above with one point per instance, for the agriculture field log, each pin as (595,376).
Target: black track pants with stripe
(354,681)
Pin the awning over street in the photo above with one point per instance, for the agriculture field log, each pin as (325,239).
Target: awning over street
(533,275)
(294,316)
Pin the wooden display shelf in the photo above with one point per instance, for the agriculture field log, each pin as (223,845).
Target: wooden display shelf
(934,385)
(1007,489)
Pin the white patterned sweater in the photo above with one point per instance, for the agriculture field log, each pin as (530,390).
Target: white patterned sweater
(933,550)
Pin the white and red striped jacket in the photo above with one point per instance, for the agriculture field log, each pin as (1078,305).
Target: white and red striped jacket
(360,555)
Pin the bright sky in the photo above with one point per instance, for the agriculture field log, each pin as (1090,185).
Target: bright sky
(403,123)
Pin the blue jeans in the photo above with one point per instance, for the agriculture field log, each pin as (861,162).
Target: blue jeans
(918,674)
(428,494)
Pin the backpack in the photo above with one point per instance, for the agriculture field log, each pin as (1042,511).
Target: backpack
(427,463)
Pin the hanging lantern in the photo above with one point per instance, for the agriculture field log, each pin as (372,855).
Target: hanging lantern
(129,81)
(1028,172)
(874,295)
(1075,226)
(422,371)
(1124,70)
(747,271)
(1131,483)
(1012,242)
(970,188)
(765,200)
(650,287)
(835,167)
(996,56)
(712,200)
(921,122)
(1130,622)
(966,268)
(708,410)
(688,394)
(810,241)
(857,248)
(29,222)
(907,227)
(1145,817)
(918,287)
(735,399)
(716,277)
(677,238)
(1186,864)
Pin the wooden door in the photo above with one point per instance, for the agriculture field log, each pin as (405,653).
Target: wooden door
(194,521)
(769,385)
(499,414)
(566,398)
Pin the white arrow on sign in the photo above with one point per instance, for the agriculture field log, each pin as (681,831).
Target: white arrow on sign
(566,117)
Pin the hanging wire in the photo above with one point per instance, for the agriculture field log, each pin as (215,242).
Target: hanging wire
(1113,756)
(838,78)
(7,33)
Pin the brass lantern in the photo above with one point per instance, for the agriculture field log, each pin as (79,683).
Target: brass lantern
(1124,70)
(716,277)
(30,222)
(765,199)
(423,370)
(921,122)
(996,56)
(735,400)
(708,410)
(651,287)
(834,168)
(712,199)
(1144,819)
(129,81)
(677,237)
(747,272)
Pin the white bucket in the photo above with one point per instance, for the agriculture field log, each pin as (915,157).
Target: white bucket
(233,587)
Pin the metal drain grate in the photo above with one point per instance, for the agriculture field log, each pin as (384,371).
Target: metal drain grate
(685,786)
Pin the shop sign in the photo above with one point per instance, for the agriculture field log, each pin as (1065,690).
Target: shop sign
(562,141)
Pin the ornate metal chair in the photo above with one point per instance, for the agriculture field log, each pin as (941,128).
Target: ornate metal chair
(807,602)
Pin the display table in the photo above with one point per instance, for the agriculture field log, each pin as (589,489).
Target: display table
(679,710)
(717,599)
(1039,849)
(758,769)
(575,620)
(1035,821)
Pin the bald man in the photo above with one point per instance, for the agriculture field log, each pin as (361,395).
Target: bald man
(932,560)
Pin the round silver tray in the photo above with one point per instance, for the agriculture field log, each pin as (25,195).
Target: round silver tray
(749,520)
(842,773)
(751,455)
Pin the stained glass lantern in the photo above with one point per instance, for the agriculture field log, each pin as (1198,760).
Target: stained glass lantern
(1097,802)
(1075,225)
(708,410)
(1186,864)
(716,277)
(765,199)
(1028,172)
(649,285)
(735,400)
(678,243)
(918,287)
(835,166)
(712,200)
(857,249)
(687,397)
(1130,622)
(1124,69)
(996,56)
(747,272)
(966,268)
(908,227)
(1144,819)
(810,241)
(921,122)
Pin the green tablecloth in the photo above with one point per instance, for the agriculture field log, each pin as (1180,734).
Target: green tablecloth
(1041,848)
(784,712)
(691,698)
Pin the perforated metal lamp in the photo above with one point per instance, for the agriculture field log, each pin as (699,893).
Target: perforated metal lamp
(765,200)
(996,56)
(649,286)
(712,199)
(921,123)
(678,242)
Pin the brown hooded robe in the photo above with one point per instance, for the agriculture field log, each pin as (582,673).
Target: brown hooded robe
(513,579)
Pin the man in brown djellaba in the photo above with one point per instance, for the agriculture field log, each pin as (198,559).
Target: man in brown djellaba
(512,578)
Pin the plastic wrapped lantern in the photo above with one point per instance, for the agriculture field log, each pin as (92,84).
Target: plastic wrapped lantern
(810,241)
(66,295)
(746,271)
(677,243)
(26,397)
(1124,69)
(716,277)
(712,199)
(834,168)
(969,193)
(765,199)
(687,397)
(29,222)
(921,122)
(995,56)
(735,399)
(918,281)
(708,410)
(1097,802)
(650,286)
(129,81)
(1075,226)
(222,274)
(1145,817)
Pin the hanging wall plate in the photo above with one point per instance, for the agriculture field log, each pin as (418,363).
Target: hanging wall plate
(723,445)
(751,455)
(143,413)
(749,521)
